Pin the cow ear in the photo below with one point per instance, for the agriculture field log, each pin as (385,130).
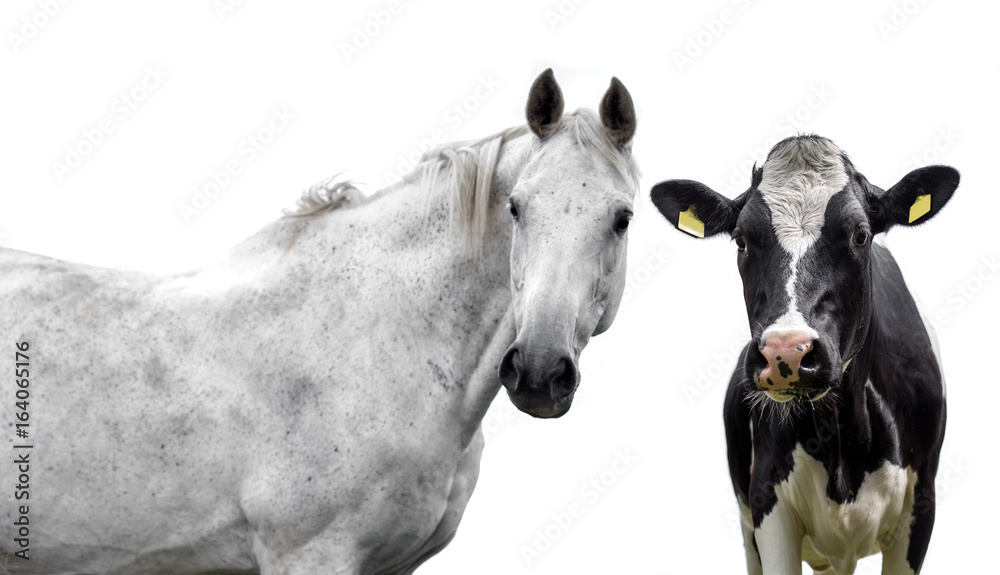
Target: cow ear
(694,208)
(545,104)
(914,199)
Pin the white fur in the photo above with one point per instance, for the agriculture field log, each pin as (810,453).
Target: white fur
(311,403)
(806,525)
(798,181)
(468,167)
(746,524)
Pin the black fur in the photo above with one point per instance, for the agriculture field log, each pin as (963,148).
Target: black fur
(893,206)
(888,405)
(717,212)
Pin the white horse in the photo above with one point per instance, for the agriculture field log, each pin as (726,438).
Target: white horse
(312,404)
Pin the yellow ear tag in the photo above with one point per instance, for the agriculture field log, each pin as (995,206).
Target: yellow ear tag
(688,222)
(920,207)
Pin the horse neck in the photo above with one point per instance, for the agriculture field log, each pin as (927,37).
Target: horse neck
(419,263)
(396,219)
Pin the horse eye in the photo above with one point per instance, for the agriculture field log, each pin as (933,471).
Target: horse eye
(513,209)
(621,224)
(861,236)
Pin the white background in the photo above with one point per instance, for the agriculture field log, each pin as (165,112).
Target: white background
(896,84)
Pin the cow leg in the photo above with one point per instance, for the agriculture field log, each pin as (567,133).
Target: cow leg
(903,549)
(779,542)
(894,558)
(906,552)
(753,558)
(896,543)
(924,507)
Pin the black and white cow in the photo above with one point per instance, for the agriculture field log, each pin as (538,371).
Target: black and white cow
(836,412)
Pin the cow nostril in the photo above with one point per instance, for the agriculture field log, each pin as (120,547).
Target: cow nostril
(510,369)
(785,354)
(808,361)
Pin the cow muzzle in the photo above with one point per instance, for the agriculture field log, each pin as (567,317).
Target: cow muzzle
(792,367)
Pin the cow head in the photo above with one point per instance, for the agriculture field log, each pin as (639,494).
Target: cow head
(803,232)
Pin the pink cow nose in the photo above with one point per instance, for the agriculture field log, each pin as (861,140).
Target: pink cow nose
(784,354)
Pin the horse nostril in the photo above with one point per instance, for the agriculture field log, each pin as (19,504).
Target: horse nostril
(563,378)
(510,369)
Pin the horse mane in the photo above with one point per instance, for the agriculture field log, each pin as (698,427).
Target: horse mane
(468,167)
(327,195)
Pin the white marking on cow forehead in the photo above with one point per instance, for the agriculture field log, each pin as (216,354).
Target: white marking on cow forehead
(791,322)
(798,181)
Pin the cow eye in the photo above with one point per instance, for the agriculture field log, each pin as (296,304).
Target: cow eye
(861,235)
(622,221)
(741,243)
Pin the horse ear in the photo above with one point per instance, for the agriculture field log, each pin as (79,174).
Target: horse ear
(694,208)
(914,199)
(545,104)
(618,112)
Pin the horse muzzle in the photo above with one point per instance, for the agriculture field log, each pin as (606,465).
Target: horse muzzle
(540,384)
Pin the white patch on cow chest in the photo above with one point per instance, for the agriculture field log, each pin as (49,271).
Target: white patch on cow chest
(840,534)
(797,183)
